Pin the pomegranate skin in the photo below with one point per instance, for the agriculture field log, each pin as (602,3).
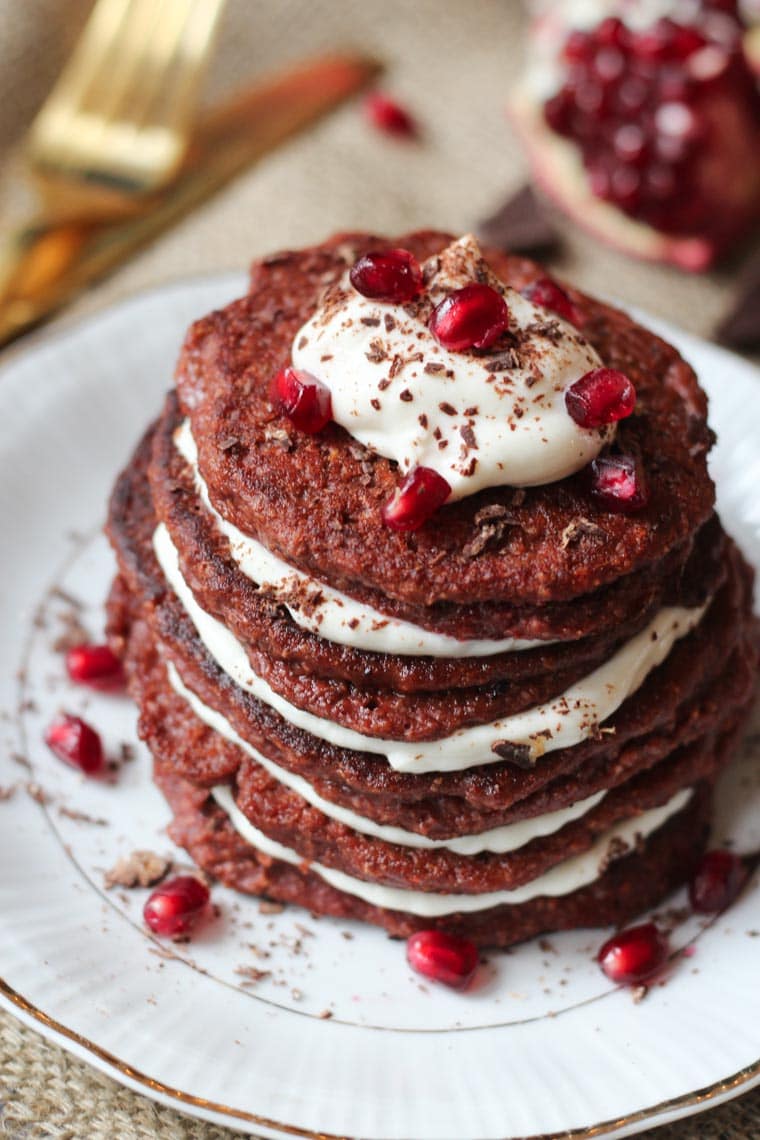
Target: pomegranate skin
(419,496)
(75,742)
(175,906)
(443,958)
(634,955)
(96,666)
(303,399)
(388,275)
(472,317)
(717,881)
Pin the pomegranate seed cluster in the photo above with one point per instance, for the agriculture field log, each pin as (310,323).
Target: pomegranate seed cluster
(641,106)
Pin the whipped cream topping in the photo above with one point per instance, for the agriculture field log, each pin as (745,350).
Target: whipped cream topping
(318,608)
(498,840)
(565,721)
(480,419)
(562,879)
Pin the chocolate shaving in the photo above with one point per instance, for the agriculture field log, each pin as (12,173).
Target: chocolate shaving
(447,408)
(228,442)
(520,225)
(432,367)
(279,437)
(371,322)
(616,849)
(389,322)
(377,353)
(406,396)
(82,816)
(140,869)
(578,527)
(507,360)
(518,754)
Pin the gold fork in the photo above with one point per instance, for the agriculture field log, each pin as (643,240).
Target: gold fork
(117,123)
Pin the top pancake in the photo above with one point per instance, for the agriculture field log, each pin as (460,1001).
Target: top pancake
(317,500)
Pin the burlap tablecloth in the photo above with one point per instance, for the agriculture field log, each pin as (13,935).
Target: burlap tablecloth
(453,63)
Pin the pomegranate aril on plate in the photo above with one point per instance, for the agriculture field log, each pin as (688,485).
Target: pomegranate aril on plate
(619,484)
(76,743)
(549,295)
(472,317)
(717,881)
(387,275)
(388,115)
(442,957)
(602,396)
(634,955)
(304,399)
(175,906)
(418,497)
(94,665)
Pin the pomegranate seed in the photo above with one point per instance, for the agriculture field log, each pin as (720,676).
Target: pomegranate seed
(602,396)
(304,399)
(175,906)
(94,665)
(73,741)
(420,495)
(387,115)
(634,955)
(472,317)
(549,295)
(387,275)
(443,957)
(718,880)
(618,482)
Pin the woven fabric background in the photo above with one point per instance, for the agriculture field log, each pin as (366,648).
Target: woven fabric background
(452,63)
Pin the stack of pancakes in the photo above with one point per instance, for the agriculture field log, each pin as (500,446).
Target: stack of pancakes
(433,758)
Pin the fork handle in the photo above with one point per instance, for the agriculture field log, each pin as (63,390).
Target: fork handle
(35,271)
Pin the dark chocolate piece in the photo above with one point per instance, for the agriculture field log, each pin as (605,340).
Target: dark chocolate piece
(520,225)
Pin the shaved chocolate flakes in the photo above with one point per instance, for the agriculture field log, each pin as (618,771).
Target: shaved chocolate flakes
(577,528)
(432,367)
(447,408)
(518,754)
(406,396)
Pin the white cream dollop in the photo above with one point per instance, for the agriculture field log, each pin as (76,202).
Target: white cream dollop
(480,419)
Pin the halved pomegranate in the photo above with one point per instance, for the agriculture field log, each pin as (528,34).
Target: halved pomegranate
(651,138)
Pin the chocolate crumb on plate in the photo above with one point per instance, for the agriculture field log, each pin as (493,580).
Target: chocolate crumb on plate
(140,869)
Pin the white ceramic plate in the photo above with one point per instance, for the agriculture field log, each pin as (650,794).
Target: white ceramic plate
(543,1045)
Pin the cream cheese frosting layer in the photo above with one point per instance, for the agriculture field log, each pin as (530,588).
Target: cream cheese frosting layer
(561,723)
(498,840)
(574,873)
(478,419)
(330,614)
